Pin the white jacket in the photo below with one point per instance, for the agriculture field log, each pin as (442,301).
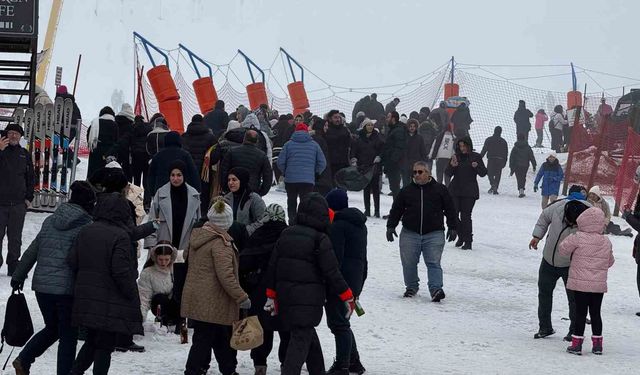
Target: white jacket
(559,122)
(153,281)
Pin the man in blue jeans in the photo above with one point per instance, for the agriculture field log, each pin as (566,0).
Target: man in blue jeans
(422,206)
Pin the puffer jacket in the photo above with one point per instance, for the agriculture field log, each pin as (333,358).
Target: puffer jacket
(139,135)
(212,289)
(366,148)
(301,159)
(248,156)
(50,250)
(464,181)
(590,252)
(551,222)
(153,281)
(551,175)
(197,140)
(521,156)
(348,234)
(339,140)
(541,118)
(250,212)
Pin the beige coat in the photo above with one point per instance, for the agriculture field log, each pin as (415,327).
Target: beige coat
(135,195)
(212,290)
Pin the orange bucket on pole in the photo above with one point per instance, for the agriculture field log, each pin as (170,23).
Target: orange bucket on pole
(298,95)
(162,83)
(257,94)
(172,112)
(574,99)
(205,94)
(451,89)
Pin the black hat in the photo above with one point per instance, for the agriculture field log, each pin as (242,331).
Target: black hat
(83,195)
(197,118)
(15,128)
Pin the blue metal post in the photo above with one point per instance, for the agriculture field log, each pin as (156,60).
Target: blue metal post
(146,44)
(193,57)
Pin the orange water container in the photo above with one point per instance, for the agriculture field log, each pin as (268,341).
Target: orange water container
(298,95)
(574,99)
(257,94)
(162,83)
(172,112)
(205,94)
(451,89)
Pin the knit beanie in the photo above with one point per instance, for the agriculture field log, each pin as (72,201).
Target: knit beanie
(221,215)
(127,111)
(83,195)
(15,128)
(595,190)
(337,199)
(273,212)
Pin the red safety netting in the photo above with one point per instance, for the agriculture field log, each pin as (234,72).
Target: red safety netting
(626,187)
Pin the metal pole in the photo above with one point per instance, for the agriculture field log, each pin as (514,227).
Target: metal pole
(453,62)
(76,146)
(75,82)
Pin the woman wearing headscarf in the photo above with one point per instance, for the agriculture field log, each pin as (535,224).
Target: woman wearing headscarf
(248,207)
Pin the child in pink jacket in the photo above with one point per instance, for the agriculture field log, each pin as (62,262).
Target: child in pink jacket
(591,257)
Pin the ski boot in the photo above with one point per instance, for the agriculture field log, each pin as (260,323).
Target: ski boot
(576,345)
(596,345)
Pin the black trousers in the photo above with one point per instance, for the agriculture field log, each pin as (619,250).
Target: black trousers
(208,336)
(96,350)
(372,188)
(397,174)
(139,169)
(540,137)
(521,177)
(295,190)
(441,166)
(11,224)
(346,348)
(556,139)
(304,346)
(566,133)
(494,172)
(548,276)
(464,211)
(261,353)
(588,303)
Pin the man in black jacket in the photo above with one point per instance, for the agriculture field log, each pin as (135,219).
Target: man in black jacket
(393,153)
(496,149)
(521,118)
(197,140)
(348,234)
(248,156)
(138,148)
(217,120)
(339,141)
(301,270)
(16,191)
(422,206)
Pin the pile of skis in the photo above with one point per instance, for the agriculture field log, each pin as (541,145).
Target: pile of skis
(48,132)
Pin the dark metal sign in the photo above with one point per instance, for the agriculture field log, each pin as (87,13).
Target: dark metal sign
(18,18)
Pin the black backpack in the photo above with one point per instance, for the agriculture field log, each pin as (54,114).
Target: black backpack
(18,328)
(572,210)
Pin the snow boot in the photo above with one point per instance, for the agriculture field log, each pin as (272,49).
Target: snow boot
(466,246)
(409,293)
(438,295)
(596,345)
(460,242)
(490,191)
(576,345)
(20,369)
(367,212)
(337,369)
(260,370)
(542,334)
(521,195)
(356,367)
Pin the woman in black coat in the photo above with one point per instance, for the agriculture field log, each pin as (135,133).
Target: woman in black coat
(521,156)
(416,149)
(102,138)
(138,150)
(464,169)
(197,140)
(324,181)
(367,150)
(254,265)
(461,120)
(106,299)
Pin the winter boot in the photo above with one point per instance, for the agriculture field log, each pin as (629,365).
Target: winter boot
(542,334)
(521,195)
(260,370)
(356,367)
(466,246)
(21,370)
(568,337)
(490,191)
(596,345)
(460,242)
(337,369)
(576,345)
(437,295)
(409,293)
(367,212)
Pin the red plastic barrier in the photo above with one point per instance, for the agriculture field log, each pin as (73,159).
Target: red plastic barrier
(172,112)
(257,94)
(298,95)
(162,83)
(205,94)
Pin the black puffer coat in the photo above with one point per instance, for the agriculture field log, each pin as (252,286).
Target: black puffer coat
(139,135)
(106,294)
(304,265)
(339,140)
(197,140)
(395,146)
(464,181)
(496,148)
(217,120)
(366,148)
(324,182)
(348,234)
(521,156)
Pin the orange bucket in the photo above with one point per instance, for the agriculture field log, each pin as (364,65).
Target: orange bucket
(172,112)
(205,94)
(574,99)
(162,83)
(298,95)
(257,94)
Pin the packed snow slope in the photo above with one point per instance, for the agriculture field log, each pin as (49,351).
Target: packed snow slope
(484,326)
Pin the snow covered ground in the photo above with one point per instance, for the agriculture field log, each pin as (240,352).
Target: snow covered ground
(484,326)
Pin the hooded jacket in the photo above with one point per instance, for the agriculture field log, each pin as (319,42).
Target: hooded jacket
(366,148)
(590,252)
(464,181)
(521,118)
(196,141)
(415,150)
(461,120)
(551,175)
(496,148)
(303,265)
(217,120)
(301,159)
(541,118)
(154,280)
(348,234)
(106,294)
(521,156)
(212,289)
(50,250)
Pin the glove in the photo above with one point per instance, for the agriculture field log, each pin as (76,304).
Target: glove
(377,160)
(391,232)
(350,305)
(452,234)
(511,174)
(271,306)
(535,189)
(16,285)
(246,304)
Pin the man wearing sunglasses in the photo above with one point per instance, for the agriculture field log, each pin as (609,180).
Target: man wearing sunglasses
(422,206)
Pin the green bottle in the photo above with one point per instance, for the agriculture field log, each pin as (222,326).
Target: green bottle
(359,309)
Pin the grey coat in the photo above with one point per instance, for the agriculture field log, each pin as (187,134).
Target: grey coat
(551,222)
(251,213)
(161,210)
(50,249)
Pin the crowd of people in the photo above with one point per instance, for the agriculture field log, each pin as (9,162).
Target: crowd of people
(216,251)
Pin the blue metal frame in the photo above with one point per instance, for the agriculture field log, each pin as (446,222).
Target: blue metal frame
(148,44)
(249,64)
(289,60)
(193,57)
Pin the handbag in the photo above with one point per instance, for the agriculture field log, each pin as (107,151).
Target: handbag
(247,334)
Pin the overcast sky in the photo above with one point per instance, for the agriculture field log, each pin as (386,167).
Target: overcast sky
(349,43)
